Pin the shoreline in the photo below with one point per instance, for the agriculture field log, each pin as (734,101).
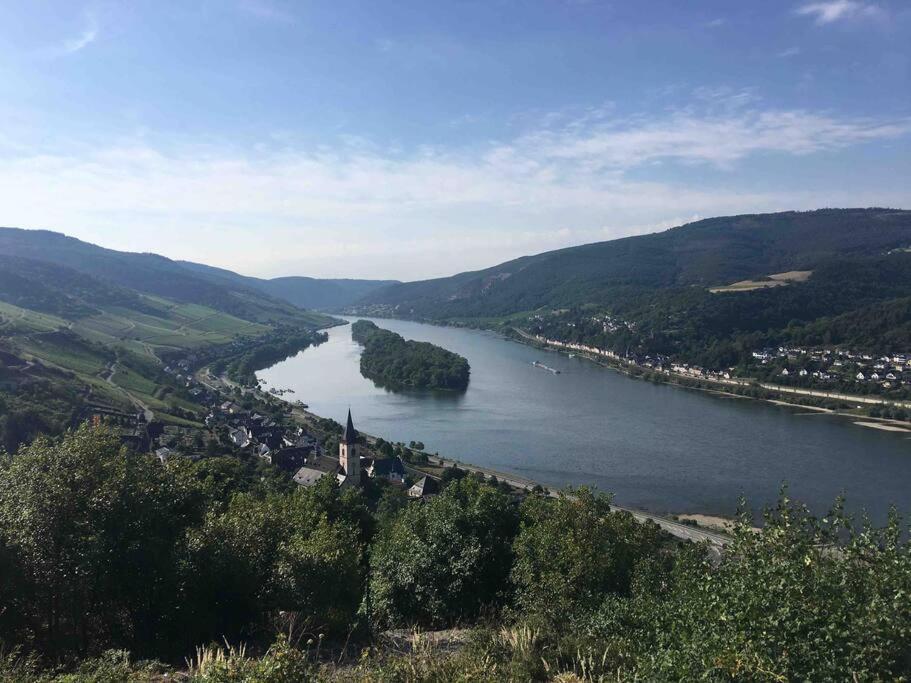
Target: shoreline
(714,535)
(879,423)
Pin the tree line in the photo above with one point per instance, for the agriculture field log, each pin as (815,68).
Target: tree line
(390,360)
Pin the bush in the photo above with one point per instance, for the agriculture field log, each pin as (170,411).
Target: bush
(572,551)
(445,560)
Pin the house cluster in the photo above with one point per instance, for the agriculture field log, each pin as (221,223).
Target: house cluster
(351,469)
(287,448)
(578,346)
(182,373)
(610,324)
(606,322)
(699,372)
(657,362)
(888,370)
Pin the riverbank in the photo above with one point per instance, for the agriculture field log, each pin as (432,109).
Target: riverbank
(722,387)
(716,537)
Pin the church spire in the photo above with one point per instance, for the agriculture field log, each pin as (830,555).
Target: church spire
(350,435)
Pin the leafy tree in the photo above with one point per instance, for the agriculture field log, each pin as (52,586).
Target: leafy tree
(806,599)
(93,531)
(444,560)
(573,550)
(299,552)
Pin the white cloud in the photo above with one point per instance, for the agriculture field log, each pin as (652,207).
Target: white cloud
(789,52)
(834,10)
(717,139)
(73,45)
(426,212)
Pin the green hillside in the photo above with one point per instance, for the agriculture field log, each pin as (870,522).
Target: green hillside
(708,293)
(149,274)
(83,325)
(716,251)
(305,292)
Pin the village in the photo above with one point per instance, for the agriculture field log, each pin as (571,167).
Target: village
(250,424)
(825,369)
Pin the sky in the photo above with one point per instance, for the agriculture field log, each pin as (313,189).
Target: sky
(412,139)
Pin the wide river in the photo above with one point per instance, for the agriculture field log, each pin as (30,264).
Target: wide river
(656,447)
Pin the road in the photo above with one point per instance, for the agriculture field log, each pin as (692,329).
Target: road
(109,378)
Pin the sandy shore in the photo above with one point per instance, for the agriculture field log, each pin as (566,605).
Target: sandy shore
(884,427)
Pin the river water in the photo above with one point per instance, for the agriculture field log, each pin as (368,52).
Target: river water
(655,447)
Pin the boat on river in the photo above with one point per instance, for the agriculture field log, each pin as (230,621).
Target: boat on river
(539,364)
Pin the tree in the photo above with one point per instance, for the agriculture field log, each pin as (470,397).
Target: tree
(93,530)
(573,550)
(444,560)
(299,552)
(807,599)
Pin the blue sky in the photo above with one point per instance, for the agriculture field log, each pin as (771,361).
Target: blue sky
(416,139)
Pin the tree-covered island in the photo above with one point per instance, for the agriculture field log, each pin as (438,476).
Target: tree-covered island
(391,360)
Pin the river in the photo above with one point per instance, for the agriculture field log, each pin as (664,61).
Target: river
(656,447)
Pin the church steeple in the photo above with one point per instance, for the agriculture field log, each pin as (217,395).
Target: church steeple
(350,434)
(349,459)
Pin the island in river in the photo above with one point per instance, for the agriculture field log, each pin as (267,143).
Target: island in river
(392,361)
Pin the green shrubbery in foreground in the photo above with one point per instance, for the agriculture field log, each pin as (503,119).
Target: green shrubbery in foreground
(104,554)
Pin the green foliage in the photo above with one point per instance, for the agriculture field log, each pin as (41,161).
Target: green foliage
(92,532)
(390,360)
(299,552)
(573,550)
(101,550)
(716,251)
(444,560)
(281,664)
(278,345)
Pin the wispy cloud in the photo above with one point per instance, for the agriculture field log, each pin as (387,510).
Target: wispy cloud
(725,131)
(830,11)
(427,211)
(789,52)
(75,44)
(266,9)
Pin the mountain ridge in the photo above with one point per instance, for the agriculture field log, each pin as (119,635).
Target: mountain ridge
(714,251)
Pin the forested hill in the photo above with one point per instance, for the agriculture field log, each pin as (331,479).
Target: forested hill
(149,274)
(716,251)
(305,292)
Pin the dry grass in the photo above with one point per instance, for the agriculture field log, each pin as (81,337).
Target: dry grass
(774,280)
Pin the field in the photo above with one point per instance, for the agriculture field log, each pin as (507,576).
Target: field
(776,280)
(114,354)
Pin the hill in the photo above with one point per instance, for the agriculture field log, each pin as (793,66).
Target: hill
(83,325)
(712,252)
(717,295)
(146,273)
(304,292)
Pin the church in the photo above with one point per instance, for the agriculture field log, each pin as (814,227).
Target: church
(349,457)
(347,469)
